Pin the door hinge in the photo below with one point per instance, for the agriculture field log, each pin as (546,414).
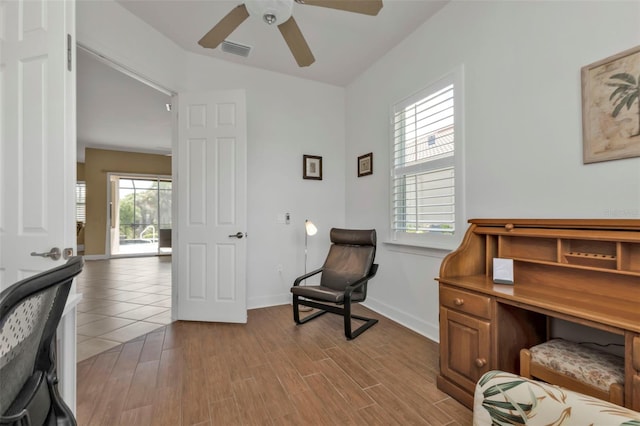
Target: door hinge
(69,45)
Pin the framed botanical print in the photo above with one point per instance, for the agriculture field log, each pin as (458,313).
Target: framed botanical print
(611,107)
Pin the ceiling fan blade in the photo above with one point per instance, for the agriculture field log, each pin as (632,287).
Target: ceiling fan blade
(222,29)
(366,7)
(296,42)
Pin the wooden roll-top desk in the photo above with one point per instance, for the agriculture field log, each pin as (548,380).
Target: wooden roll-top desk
(586,271)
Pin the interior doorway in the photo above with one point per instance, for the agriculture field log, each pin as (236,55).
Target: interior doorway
(140,215)
(128,295)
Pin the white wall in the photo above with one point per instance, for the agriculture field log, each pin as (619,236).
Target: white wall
(287,117)
(523,141)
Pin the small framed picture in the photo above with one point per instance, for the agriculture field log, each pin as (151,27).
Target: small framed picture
(312,167)
(365,164)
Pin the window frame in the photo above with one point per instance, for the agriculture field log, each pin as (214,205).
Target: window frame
(82,184)
(434,240)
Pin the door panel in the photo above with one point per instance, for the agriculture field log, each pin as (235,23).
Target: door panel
(211,182)
(467,343)
(38,137)
(38,151)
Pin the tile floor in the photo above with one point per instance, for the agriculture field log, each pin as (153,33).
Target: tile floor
(122,299)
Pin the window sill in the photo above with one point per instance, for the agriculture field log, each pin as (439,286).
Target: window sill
(421,250)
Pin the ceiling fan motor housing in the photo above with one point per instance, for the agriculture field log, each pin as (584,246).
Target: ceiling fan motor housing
(271,11)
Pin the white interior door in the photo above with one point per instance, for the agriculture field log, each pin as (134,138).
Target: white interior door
(209,237)
(38,136)
(37,151)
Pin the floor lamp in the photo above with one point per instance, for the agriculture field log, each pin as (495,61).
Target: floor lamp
(309,231)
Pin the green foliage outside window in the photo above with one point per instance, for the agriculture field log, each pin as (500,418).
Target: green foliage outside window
(139,212)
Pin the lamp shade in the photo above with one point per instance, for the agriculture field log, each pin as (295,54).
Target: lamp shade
(310,228)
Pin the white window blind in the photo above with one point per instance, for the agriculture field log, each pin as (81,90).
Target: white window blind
(423,190)
(81,202)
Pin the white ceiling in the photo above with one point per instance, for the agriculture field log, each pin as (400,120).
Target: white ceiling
(343,43)
(117,112)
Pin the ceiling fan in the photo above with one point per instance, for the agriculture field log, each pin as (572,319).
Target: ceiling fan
(279,12)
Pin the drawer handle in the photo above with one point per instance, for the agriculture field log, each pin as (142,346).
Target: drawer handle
(458,301)
(481,362)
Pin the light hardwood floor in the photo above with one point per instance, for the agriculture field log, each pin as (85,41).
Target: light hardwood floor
(267,372)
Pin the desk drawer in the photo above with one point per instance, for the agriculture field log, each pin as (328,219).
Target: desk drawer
(464,301)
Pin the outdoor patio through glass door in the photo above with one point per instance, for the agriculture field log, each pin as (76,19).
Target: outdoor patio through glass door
(140,215)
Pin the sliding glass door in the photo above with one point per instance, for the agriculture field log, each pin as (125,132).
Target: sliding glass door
(140,215)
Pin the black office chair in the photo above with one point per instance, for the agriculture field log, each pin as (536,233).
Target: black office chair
(346,271)
(30,311)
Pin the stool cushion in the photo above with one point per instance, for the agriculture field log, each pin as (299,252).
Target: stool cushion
(588,365)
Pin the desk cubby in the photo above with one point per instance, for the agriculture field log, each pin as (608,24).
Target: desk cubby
(581,248)
(630,257)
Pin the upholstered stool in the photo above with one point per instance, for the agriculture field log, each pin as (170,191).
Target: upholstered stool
(576,367)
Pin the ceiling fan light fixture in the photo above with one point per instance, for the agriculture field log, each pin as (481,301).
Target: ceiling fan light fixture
(269,18)
(270,11)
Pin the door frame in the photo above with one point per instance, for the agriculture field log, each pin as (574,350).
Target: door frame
(125,70)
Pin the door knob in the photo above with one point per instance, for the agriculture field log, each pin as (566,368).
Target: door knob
(53,254)
(237,235)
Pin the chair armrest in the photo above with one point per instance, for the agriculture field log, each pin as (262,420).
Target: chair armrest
(362,281)
(305,276)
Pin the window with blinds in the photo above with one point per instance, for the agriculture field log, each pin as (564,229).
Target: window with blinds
(423,189)
(81,202)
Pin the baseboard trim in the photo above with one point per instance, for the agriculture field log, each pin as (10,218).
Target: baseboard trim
(430,331)
(267,301)
(95,257)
